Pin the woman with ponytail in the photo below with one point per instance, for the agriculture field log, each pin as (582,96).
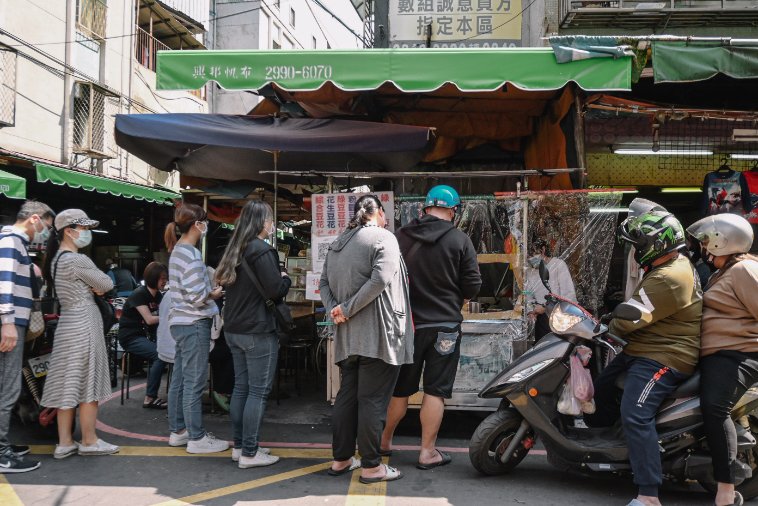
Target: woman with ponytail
(250,327)
(192,308)
(364,287)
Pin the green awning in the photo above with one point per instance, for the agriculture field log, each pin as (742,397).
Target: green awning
(410,70)
(697,61)
(12,186)
(91,182)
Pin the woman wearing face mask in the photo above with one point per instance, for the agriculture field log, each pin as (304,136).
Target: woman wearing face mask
(192,308)
(78,373)
(250,327)
(561,284)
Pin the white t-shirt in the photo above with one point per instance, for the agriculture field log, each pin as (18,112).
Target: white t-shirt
(560,282)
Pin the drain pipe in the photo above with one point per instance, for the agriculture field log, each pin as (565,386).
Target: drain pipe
(68,85)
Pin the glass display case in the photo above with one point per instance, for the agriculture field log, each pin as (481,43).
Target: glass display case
(297,267)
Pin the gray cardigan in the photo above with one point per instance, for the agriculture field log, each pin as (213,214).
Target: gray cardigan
(365,274)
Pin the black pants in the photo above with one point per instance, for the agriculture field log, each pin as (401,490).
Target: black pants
(725,376)
(221,360)
(360,410)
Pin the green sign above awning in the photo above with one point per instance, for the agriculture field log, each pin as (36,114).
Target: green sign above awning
(697,61)
(410,70)
(12,186)
(91,182)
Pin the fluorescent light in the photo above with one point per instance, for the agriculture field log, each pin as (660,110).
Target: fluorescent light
(611,191)
(744,156)
(682,189)
(684,152)
(609,209)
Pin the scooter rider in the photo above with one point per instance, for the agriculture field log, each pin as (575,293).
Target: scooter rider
(663,345)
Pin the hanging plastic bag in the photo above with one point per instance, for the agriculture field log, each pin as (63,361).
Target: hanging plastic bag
(567,403)
(581,380)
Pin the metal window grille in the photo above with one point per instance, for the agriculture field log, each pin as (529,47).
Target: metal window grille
(7,87)
(90,15)
(146,49)
(368,24)
(94,115)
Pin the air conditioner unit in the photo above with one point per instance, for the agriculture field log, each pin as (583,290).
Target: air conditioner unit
(89,132)
(745,135)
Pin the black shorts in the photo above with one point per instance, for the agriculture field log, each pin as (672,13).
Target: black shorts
(436,353)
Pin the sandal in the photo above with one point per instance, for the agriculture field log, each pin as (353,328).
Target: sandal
(390,474)
(446,459)
(354,464)
(155,404)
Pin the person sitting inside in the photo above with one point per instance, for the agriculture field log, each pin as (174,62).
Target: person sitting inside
(123,281)
(560,283)
(663,349)
(138,325)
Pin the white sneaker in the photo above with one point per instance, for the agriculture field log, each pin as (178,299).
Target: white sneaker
(208,444)
(99,448)
(176,439)
(61,452)
(237,452)
(260,460)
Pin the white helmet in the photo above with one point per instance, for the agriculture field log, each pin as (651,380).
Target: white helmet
(725,234)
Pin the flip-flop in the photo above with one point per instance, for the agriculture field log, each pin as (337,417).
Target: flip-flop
(385,453)
(354,464)
(446,459)
(390,474)
(156,403)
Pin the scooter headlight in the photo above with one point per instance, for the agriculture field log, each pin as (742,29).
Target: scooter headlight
(529,371)
(561,322)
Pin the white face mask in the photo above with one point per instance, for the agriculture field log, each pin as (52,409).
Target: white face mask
(84,239)
(41,236)
(204,230)
(271,229)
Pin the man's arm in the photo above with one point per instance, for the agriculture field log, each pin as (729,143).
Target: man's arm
(9,262)
(470,277)
(656,300)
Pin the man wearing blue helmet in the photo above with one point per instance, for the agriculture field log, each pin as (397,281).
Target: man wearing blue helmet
(443,271)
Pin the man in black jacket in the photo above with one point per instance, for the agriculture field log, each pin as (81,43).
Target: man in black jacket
(443,272)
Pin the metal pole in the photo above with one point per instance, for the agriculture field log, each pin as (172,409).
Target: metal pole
(204,242)
(524,257)
(276,198)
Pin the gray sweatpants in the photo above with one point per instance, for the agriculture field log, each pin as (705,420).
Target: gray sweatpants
(10,385)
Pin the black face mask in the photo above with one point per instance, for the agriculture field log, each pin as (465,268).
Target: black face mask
(695,254)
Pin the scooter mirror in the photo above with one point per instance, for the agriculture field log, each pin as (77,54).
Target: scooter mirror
(544,274)
(625,311)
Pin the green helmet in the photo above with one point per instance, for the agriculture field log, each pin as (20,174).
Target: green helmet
(442,196)
(653,234)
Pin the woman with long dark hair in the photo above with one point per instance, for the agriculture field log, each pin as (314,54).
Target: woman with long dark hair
(192,308)
(364,287)
(79,375)
(250,327)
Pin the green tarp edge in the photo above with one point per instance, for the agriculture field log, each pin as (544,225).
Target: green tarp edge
(12,186)
(59,176)
(410,70)
(697,61)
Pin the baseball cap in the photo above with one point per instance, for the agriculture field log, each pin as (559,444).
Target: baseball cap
(74,217)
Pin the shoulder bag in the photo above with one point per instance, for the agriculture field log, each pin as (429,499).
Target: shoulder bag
(107,312)
(36,325)
(285,322)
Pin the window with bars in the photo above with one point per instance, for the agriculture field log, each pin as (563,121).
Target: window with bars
(7,86)
(90,15)
(94,110)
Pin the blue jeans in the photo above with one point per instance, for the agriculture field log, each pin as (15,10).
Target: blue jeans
(648,383)
(144,348)
(190,374)
(255,359)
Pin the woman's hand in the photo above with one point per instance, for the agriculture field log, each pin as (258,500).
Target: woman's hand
(98,292)
(337,315)
(216,293)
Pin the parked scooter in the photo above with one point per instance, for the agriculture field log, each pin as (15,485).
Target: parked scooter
(530,388)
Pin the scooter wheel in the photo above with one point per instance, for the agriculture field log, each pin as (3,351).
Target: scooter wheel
(491,439)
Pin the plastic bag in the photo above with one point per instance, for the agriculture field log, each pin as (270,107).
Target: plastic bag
(581,380)
(567,403)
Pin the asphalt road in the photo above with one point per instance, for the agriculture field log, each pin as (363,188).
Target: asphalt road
(147,471)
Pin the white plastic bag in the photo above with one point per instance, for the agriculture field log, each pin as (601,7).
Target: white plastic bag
(567,403)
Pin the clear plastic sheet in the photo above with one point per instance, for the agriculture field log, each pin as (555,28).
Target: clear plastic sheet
(486,349)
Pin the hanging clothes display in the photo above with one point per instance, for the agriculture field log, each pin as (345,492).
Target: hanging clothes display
(725,191)
(751,177)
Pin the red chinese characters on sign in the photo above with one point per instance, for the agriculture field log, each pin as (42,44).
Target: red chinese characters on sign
(332,212)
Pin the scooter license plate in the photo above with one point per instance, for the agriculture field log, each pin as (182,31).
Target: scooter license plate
(39,365)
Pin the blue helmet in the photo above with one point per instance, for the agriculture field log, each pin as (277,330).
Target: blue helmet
(442,196)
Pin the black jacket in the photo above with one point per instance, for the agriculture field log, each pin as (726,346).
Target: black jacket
(442,271)
(244,309)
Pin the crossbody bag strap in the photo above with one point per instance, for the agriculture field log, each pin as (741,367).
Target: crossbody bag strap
(250,274)
(55,271)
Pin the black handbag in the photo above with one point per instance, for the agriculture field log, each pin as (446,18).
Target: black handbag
(284,321)
(107,311)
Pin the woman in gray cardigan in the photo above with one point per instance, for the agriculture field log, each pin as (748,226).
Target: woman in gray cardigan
(364,287)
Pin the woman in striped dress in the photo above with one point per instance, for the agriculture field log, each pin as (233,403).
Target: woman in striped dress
(78,373)
(192,308)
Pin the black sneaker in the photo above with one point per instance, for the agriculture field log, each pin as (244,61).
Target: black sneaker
(11,463)
(20,450)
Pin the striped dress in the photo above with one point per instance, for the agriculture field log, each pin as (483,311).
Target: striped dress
(78,370)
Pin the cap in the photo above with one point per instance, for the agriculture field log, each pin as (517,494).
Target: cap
(74,217)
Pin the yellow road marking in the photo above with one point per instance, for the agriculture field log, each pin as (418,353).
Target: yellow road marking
(360,494)
(242,487)
(168,451)
(8,496)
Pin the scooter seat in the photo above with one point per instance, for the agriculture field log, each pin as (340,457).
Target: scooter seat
(688,388)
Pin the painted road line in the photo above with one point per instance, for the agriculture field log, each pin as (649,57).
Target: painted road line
(167,451)
(361,494)
(8,496)
(248,485)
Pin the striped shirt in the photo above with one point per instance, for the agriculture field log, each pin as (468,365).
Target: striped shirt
(15,277)
(190,286)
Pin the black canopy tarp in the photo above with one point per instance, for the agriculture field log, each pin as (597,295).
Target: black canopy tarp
(230,147)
